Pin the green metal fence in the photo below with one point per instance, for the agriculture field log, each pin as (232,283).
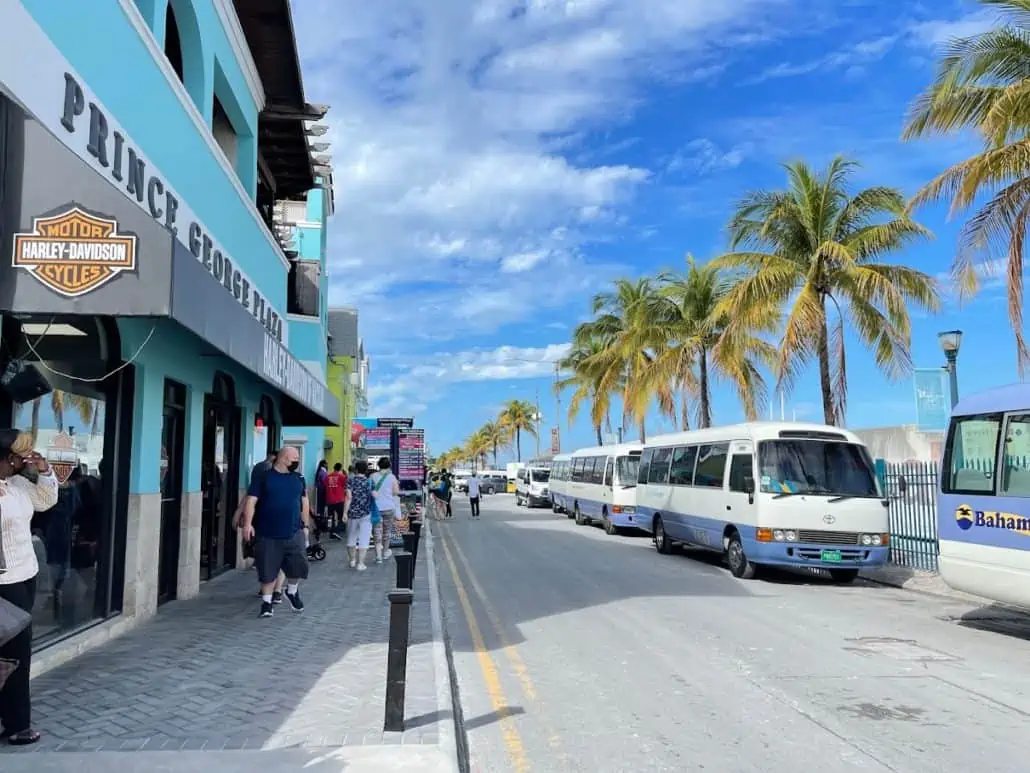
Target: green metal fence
(911,489)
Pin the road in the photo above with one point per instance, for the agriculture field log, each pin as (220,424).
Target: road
(577,651)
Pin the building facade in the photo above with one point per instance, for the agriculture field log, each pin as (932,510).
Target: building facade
(145,290)
(305,226)
(347,377)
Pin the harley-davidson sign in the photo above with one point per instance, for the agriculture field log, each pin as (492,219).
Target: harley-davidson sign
(74,252)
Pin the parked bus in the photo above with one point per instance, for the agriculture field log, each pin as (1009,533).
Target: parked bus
(559,482)
(602,486)
(817,502)
(983,507)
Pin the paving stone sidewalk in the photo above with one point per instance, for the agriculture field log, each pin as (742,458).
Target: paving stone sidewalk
(208,674)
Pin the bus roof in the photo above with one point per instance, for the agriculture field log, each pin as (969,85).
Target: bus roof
(755,430)
(620,449)
(561,457)
(1012,397)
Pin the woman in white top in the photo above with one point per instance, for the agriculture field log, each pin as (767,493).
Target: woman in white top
(19,499)
(387,492)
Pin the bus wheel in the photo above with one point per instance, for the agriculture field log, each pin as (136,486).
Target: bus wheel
(739,564)
(843,576)
(609,527)
(661,539)
(580,520)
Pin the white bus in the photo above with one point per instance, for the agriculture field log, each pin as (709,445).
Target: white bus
(559,482)
(983,505)
(602,486)
(817,502)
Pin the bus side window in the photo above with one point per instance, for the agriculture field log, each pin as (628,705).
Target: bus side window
(1015,477)
(971,453)
(645,466)
(742,472)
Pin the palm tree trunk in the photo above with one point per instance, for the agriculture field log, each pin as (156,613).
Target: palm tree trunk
(685,409)
(643,430)
(823,351)
(518,444)
(495,456)
(35,419)
(600,437)
(704,419)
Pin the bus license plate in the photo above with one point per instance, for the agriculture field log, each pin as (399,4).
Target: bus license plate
(831,555)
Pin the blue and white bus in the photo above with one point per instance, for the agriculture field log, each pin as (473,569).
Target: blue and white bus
(559,481)
(602,486)
(983,507)
(817,502)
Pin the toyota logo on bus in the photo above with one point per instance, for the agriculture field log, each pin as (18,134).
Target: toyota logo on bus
(829,518)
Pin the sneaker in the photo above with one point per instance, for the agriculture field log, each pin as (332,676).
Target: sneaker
(388,554)
(266,609)
(379,559)
(353,564)
(295,602)
(362,567)
(277,597)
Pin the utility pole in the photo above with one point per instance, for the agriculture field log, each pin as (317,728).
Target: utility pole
(538,422)
(557,408)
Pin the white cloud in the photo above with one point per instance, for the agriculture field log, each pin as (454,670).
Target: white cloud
(451,122)
(702,156)
(416,384)
(939,32)
(850,59)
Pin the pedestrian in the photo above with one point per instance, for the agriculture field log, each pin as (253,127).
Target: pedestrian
(280,544)
(473,492)
(20,498)
(358,512)
(447,489)
(320,502)
(257,474)
(387,492)
(335,496)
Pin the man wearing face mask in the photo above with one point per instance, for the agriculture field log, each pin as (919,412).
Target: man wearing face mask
(279,540)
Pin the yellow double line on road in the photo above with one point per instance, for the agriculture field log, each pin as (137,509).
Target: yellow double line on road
(491,673)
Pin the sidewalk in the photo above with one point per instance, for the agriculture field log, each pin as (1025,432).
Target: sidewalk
(916,580)
(209,685)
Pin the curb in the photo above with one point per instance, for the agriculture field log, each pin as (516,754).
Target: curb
(452,734)
(910,587)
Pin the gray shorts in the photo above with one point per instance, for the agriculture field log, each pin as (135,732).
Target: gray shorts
(288,555)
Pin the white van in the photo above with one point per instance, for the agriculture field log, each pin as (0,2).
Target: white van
(559,482)
(532,487)
(766,494)
(602,486)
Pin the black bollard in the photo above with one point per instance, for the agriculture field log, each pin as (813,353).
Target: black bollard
(411,546)
(405,566)
(397,659)
(416,529)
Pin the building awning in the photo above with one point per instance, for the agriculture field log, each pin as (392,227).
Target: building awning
(75,244)
(282,138)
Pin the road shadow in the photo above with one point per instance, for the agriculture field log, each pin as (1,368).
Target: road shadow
(208,673)
(997,619)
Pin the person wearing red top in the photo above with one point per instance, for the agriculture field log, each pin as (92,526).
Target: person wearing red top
(335,496)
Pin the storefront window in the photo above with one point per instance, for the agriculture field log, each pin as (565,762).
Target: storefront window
(69,427)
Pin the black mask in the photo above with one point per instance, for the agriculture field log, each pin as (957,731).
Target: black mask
(292,466)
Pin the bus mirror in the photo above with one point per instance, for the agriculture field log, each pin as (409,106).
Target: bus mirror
(749,487)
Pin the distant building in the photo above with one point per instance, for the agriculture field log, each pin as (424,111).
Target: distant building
(902,443)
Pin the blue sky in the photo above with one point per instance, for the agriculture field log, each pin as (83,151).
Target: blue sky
(497,162)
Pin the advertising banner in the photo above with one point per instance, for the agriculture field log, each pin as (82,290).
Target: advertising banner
(411,458)
(933,399)
(358,428)
(377,440)
(398,423)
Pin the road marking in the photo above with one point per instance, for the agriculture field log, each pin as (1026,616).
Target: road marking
(491,675)
(521,672)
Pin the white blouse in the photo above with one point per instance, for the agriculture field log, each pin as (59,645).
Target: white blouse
(19,499)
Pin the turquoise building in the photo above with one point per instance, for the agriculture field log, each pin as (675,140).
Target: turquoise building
(162,311)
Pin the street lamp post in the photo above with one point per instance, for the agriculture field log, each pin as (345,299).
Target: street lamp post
(950,341)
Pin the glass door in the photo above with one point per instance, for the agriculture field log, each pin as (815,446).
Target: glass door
(172,442)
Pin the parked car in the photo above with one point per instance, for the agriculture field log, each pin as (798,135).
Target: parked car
(493,484)
(531,488)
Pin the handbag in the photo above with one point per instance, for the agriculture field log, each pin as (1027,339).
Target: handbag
(13,619)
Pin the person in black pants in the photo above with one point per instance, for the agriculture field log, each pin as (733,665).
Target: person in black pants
(20,498)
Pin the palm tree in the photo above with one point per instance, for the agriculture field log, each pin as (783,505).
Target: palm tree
(57,408)
(982,83)
(35,419)
(519,416)
(478,447)
(497,436)
(623,321)
(812,244)
(697,341)
(586,382)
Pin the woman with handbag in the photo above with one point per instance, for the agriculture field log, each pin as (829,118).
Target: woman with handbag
(19,499)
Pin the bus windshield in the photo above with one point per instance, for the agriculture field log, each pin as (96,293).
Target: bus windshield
(541,476)
(626,468)
(816,467)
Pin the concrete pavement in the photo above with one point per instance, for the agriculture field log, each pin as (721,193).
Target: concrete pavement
(577,651)
(208,686)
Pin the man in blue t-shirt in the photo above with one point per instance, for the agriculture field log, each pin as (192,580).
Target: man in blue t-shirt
(279,540)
